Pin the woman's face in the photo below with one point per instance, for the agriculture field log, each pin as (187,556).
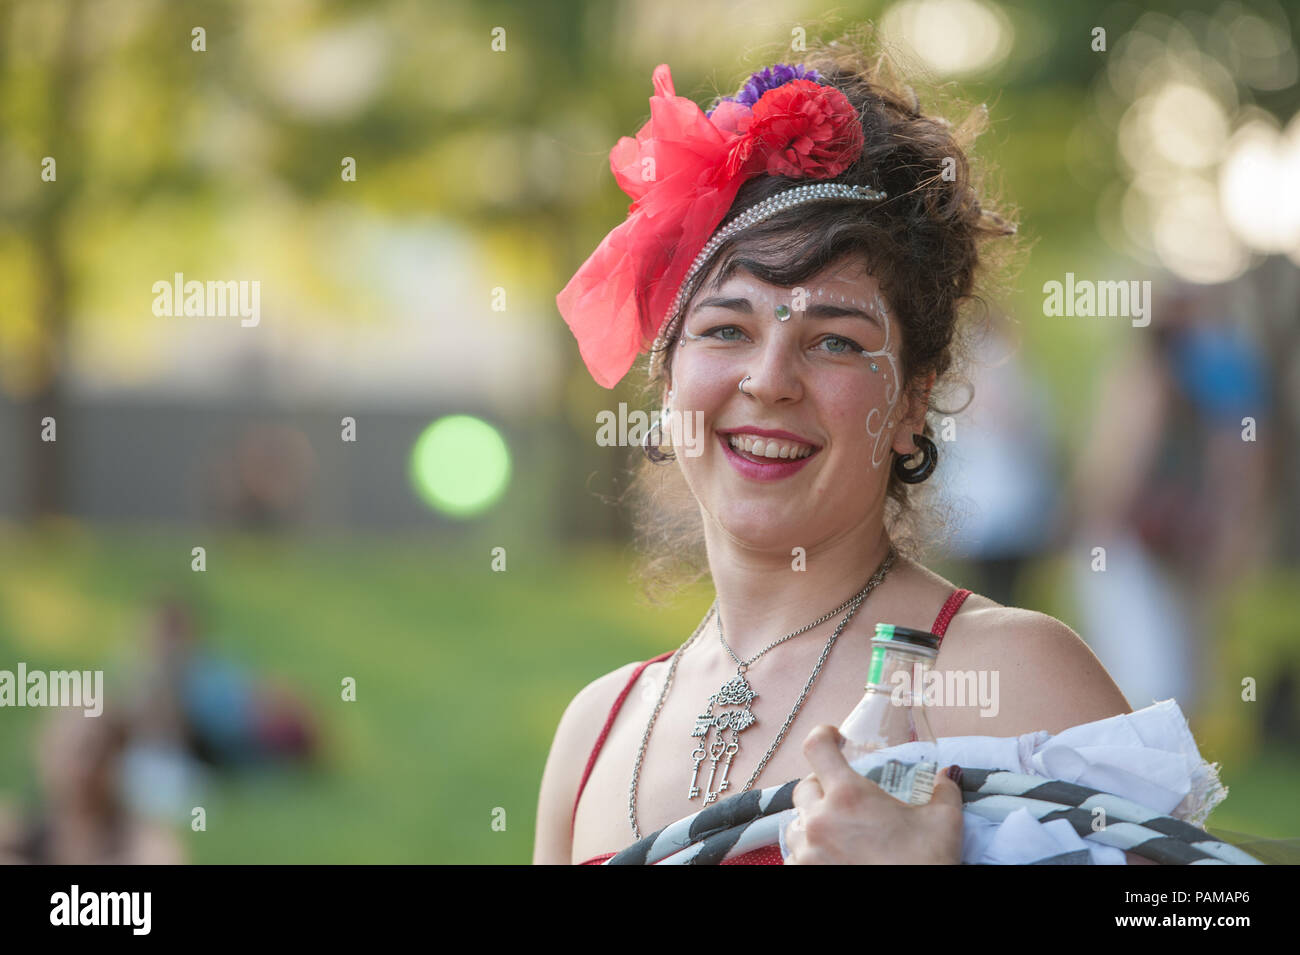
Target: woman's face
(824,367)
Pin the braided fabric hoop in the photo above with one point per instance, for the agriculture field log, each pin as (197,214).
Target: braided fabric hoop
(748,821)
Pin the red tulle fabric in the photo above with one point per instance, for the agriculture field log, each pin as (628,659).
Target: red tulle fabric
(676,171)
(683,171)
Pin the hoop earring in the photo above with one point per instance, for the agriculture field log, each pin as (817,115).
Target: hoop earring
(651,448)
(929,459)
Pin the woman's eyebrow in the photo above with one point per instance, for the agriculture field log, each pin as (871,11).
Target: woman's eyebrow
(717,301)
(827,310)
(816,310)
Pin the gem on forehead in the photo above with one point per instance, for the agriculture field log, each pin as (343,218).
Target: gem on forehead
(783,312)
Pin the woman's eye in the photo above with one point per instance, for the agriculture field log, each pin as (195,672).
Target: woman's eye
(839,345)
(720,331)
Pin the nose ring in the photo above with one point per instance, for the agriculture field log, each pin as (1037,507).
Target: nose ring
(741,386)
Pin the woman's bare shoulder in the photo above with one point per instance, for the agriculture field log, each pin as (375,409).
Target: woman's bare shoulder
(576,734)
(1056,680)
(1047,676)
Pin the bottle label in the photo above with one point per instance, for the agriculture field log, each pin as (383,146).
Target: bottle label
(912,783)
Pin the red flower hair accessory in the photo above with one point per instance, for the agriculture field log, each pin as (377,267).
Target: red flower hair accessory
(806,131)
(683,171)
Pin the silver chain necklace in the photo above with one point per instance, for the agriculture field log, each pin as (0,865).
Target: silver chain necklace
(737,691)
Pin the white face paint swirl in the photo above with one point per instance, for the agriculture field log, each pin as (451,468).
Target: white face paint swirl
(884,432)
(882,361)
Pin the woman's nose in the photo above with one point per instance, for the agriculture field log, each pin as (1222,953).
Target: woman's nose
(776,374)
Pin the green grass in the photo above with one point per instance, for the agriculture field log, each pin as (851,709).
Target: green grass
(1258,802)
(462,674)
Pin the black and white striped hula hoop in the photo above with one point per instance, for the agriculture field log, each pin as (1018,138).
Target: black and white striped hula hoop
(748,821)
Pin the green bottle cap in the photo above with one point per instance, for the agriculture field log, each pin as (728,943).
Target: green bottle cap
(891,637)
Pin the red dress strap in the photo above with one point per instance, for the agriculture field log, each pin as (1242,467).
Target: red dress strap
(609,722)
(947,612)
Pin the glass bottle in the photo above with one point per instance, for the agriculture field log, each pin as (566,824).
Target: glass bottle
(892,710)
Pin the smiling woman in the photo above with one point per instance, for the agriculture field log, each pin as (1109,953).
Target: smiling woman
(930,249)
(806,325)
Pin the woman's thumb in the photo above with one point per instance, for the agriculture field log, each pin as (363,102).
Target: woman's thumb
(947,784)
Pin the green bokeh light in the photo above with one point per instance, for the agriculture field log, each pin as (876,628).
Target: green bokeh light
(460,465)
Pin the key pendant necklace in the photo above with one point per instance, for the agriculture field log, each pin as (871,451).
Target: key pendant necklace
(735,692)
(729,710)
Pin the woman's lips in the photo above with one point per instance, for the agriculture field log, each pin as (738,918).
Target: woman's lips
(762,469)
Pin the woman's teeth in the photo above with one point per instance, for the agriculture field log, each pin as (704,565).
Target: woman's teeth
(768,447)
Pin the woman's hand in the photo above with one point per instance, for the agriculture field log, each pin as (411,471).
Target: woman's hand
(846,819)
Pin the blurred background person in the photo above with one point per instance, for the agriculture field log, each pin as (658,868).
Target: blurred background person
(191,703)
(81,817)
(1172,483)
(114,788)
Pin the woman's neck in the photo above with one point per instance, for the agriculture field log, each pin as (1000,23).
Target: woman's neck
(764,595)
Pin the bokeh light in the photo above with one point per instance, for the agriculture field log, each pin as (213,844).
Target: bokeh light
(1209,170)
(1192,239)
(1258,183)
(460,465)
(952,37)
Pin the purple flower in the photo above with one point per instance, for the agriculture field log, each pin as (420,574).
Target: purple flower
(768,78)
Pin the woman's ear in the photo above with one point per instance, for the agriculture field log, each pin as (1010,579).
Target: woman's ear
(912,415)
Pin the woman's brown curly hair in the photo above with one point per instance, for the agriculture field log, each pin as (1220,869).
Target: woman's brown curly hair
(924,244)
